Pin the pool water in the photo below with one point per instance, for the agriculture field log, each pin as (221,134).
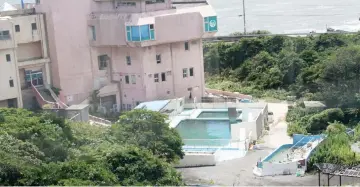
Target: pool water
(216,114)
(196,132)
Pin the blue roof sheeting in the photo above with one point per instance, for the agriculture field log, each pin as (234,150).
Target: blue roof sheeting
(153,105)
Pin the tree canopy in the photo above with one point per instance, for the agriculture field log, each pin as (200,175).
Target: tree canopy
(41,149)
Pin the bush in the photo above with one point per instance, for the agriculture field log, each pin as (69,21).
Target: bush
(320,122)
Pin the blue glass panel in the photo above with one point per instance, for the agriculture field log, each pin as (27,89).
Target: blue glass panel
(93,32)
(206,27)
(152,34)
(135,33)
(128,35)
(213,25)
(144,30)
(128,28)
(206,19)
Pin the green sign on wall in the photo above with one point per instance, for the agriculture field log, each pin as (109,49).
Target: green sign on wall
(211,24)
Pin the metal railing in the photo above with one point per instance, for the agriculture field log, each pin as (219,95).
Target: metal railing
(41,99)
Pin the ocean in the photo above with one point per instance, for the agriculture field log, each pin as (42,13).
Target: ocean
(287,16)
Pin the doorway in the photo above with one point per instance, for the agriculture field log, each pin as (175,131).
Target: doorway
(34,77)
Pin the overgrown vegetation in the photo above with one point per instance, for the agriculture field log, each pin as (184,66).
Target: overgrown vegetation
(324,67)
(40,149)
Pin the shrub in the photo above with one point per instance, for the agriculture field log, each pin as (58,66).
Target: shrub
(320,122)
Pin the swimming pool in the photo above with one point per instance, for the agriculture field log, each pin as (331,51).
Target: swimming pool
(202,132)
(216,114)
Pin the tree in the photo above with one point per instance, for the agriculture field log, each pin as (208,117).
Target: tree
(149,130)
(139,167)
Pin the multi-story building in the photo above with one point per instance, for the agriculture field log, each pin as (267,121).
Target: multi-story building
(24,61)
(129,50)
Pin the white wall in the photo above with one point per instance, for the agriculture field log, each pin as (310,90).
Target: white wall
(223,155)
(195,160)
(270,169)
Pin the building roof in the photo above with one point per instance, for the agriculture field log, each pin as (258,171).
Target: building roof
(107,90)
(153,105)
(17,2)
(7,7)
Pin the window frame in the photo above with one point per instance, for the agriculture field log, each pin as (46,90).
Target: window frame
(93,32)
(151,2)
(156,77)
(150,30)
(102,62)
(133,79)
(185,70)
(158,58)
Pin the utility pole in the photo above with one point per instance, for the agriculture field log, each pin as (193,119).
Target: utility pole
(244,17)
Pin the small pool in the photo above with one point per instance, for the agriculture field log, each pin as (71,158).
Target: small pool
(207,150)
(280,155)
(202,132)
(216,114)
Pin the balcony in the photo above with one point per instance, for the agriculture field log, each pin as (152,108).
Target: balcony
(152,28)
(38,61)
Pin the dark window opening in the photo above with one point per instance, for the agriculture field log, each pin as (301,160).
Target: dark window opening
(127,81)
(191,72)
(186,46)
(163,77)
(17,28)
(11,83)
(158,59)
(8,58)
(33,26)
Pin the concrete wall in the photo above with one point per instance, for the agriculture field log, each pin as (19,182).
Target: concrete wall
(271,169)
(3,103)
(8,72)
(26,33)
(195,160)
(29,51)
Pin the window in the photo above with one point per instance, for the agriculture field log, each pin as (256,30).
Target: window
(128,60)
(140,33)
(127,81)
(184,72)
(137,103)
(11,83)
(37,2)
(102,62)
(210,24)
(163,77)
(191,72)
(124,4)
(128,106)
(156,77)
(133,79)
(8,58)
(148,2)
(17,28)
(158,59)
(93,33)
(123,106)
(34,26)
(4,35)
(187,46)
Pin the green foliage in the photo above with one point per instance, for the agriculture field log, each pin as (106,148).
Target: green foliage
(335,149)
(148,129)
(43,150)
(320,121)
(324,67)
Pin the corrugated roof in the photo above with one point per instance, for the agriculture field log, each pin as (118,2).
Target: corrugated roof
(153,105)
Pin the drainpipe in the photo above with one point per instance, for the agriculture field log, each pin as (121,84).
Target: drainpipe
(19,98)
(22,4)
(113,80)
(172,69)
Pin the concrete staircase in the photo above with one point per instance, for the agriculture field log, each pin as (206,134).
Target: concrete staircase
(45,94)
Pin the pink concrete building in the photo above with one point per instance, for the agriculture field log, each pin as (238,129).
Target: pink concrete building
(130,50)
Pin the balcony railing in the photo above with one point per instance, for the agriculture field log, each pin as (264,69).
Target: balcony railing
(42,102)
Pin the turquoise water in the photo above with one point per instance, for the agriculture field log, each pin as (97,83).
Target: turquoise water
(216,114)
(196,132)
